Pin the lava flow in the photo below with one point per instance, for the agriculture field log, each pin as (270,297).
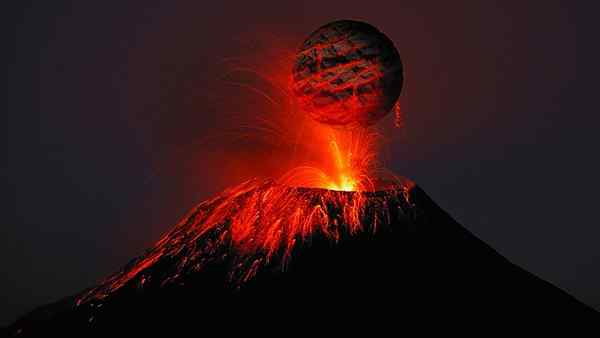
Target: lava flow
(253,225)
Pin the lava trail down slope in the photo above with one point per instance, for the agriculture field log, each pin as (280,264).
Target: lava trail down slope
(263,256)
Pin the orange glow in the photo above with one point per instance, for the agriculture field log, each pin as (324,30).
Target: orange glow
(345,162)
(346,181)
(277,137)
(330,183)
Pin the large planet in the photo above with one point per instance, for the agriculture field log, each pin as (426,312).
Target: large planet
(347,74)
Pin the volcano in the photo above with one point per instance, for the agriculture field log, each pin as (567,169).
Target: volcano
(263,257)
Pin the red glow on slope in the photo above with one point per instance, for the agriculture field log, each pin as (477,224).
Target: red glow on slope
(255,224)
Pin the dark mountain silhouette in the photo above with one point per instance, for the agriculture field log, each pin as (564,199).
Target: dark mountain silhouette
(412,265)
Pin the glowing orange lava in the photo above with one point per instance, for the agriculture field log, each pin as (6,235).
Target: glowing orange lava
(253,225)
(346,163)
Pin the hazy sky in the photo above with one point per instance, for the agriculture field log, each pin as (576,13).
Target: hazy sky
(106,105)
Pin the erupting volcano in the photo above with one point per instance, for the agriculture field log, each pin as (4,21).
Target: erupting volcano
(337,240)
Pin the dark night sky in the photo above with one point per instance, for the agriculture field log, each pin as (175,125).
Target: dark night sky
(104,102)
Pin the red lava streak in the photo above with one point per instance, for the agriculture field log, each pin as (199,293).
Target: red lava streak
(255,224)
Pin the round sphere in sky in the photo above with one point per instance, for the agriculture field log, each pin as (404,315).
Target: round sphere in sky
(347,74)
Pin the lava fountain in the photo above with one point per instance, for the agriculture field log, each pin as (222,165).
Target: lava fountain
(337,189)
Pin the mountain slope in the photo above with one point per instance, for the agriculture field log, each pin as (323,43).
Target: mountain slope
(409,262)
